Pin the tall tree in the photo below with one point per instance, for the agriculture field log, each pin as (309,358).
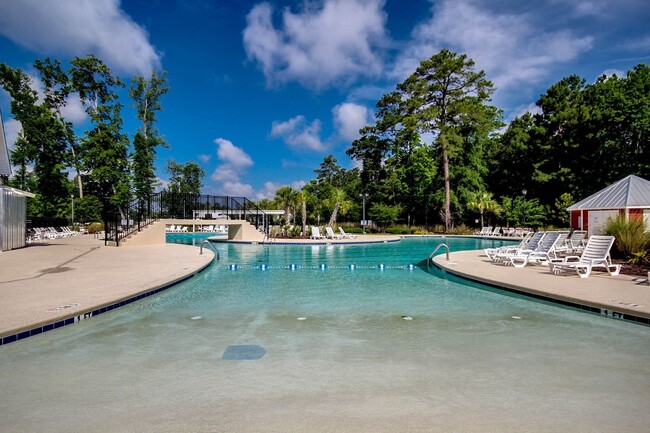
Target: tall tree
(185,178)
(45,139)
(57,87)
(146,96)
(104,147)
(449,99)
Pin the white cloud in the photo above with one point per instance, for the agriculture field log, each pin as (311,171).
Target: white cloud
(269,189)
(235,188)
(79,27)
(349,118)
(204,158)
(521,110)
(328,43)
(510,47)
(610,72)
(74,110)
(232,155)
(12,128)
(300,134)
(234,162)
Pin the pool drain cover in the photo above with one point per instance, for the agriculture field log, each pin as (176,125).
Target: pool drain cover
(243,352)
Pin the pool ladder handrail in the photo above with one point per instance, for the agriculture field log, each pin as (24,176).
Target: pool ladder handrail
(205,241)
(435,250)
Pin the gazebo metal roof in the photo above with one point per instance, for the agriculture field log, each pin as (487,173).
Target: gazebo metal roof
(629,192)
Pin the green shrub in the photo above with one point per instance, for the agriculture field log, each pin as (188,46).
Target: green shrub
(631,238)
(398,230)
(355,230)
(461,230)
(95,227)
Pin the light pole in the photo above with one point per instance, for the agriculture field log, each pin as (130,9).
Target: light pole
(72,201)
(524,192)
(363,220)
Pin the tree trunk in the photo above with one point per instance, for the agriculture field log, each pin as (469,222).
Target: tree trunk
(334,212)
(445,166)
(304,217)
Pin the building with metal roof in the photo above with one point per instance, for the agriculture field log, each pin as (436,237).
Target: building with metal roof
(629,197)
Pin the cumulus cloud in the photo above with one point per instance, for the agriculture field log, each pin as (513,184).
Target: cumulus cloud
(349,118)
(299,133)
(330,43)
(232,155)
(511,47)
(269,189)
(12,128)
(234,162)
(205,158)
(79,27)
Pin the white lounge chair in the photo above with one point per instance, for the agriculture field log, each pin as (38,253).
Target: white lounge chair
(330,233)
(576,242)
(543,252)
(595,255)
(315,233)
(531,244)
(495,232)
(345,235)
(493,252)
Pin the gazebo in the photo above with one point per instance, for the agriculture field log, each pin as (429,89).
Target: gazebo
(629,197)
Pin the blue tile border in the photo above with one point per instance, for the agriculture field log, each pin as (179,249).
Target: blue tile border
(582,307)
(85,315)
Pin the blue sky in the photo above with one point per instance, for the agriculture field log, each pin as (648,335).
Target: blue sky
(262,91)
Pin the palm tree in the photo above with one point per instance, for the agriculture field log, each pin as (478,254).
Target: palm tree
(341,204)
(286,198)
(303,196)
(484,202)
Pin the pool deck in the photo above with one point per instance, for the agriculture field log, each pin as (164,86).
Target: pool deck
(66,279)
(601,293)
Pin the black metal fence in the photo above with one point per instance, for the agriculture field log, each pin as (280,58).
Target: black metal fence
(138,214)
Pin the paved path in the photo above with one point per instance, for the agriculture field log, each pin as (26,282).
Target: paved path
(45,283)
(619,294)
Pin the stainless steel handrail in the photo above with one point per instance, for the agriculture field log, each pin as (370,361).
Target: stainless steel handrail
(435,250)
(205,241)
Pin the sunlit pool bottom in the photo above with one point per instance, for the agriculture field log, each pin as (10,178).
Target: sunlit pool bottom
(364,350)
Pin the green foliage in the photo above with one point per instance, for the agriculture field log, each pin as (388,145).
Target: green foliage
(383,215)
(461,229)
(185,178)
(87,209)
(95,228)
(632,240)
(146,96)
(483,203)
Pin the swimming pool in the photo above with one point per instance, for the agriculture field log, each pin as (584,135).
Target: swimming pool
(468,360)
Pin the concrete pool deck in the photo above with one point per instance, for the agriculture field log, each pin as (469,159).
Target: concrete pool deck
(601,293)
(67,278)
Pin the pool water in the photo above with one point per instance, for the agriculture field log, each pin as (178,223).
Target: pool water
(340,349)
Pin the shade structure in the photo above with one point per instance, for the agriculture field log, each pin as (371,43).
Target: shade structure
(628,193)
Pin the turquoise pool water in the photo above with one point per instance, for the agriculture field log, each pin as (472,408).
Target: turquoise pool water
(339,354)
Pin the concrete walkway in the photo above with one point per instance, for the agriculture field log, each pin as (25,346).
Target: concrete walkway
(613,296)
(63,278)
